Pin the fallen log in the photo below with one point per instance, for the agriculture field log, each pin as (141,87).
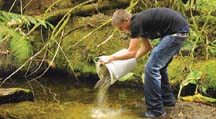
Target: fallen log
(13,95)
(86,9)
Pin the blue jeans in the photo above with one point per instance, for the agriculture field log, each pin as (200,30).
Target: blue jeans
(157,89)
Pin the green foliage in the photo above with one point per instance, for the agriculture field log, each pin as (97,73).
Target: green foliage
(17,19)
(11,27)
(19,45)
(188,44)
(20,48)
(88,69)
(206,6)
(156,41)
(192,78)
(84,68)
(209,75)
(212,48)
(129,76)
(203,77)
(177,70)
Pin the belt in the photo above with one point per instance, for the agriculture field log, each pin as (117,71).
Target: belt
(180,34)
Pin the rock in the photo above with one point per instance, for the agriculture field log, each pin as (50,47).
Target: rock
(13,95)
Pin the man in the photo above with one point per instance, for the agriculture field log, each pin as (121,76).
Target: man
(172,29)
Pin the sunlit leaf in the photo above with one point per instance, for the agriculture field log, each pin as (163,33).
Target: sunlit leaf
(187,45)
(128,76)
(192,78)
(199,98)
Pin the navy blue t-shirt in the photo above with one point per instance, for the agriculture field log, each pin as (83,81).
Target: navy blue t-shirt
(157,22)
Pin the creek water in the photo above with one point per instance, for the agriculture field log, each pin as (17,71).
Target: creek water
(61,98)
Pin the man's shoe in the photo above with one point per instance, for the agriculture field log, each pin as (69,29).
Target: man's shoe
(149,114)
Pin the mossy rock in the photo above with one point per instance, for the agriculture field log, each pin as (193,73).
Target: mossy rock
(82,55)
(13,95)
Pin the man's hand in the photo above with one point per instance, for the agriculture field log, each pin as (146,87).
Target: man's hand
(131,52)
(106,60)
(145,47)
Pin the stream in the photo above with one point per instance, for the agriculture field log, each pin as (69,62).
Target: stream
(61,98)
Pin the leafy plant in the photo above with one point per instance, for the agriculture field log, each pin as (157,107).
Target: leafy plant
(206,6)
(11,27)
(192,78)
(12,19)
(19,46)
(208,69)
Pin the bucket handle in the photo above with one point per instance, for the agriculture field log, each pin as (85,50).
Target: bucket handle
(96,59)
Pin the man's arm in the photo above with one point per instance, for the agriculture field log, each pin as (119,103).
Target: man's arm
(145,47)
(132,50)
(131,53)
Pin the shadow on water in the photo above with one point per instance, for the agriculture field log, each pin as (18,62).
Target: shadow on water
(63,98)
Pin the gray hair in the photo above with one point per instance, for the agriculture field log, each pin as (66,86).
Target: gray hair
(119,16)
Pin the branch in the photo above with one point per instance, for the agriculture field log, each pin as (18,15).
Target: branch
(86,9)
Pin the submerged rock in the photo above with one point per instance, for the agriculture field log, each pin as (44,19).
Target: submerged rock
(13,95)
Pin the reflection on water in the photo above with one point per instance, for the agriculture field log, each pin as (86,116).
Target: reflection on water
(77,101)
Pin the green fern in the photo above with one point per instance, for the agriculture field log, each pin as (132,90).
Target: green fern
(7,17)
(21,50)
(12,32)
(20,47)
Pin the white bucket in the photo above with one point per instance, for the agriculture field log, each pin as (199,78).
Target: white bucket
(119,68)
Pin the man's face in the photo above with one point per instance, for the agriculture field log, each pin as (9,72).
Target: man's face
(124,26)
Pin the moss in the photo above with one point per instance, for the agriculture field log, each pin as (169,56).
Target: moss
(85,68)
(178,69)
(21,89)
(209,76)
(81,56)
(13,90)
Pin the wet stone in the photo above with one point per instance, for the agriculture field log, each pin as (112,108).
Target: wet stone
(13,95)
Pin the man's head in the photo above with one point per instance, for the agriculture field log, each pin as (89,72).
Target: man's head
(121,20)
